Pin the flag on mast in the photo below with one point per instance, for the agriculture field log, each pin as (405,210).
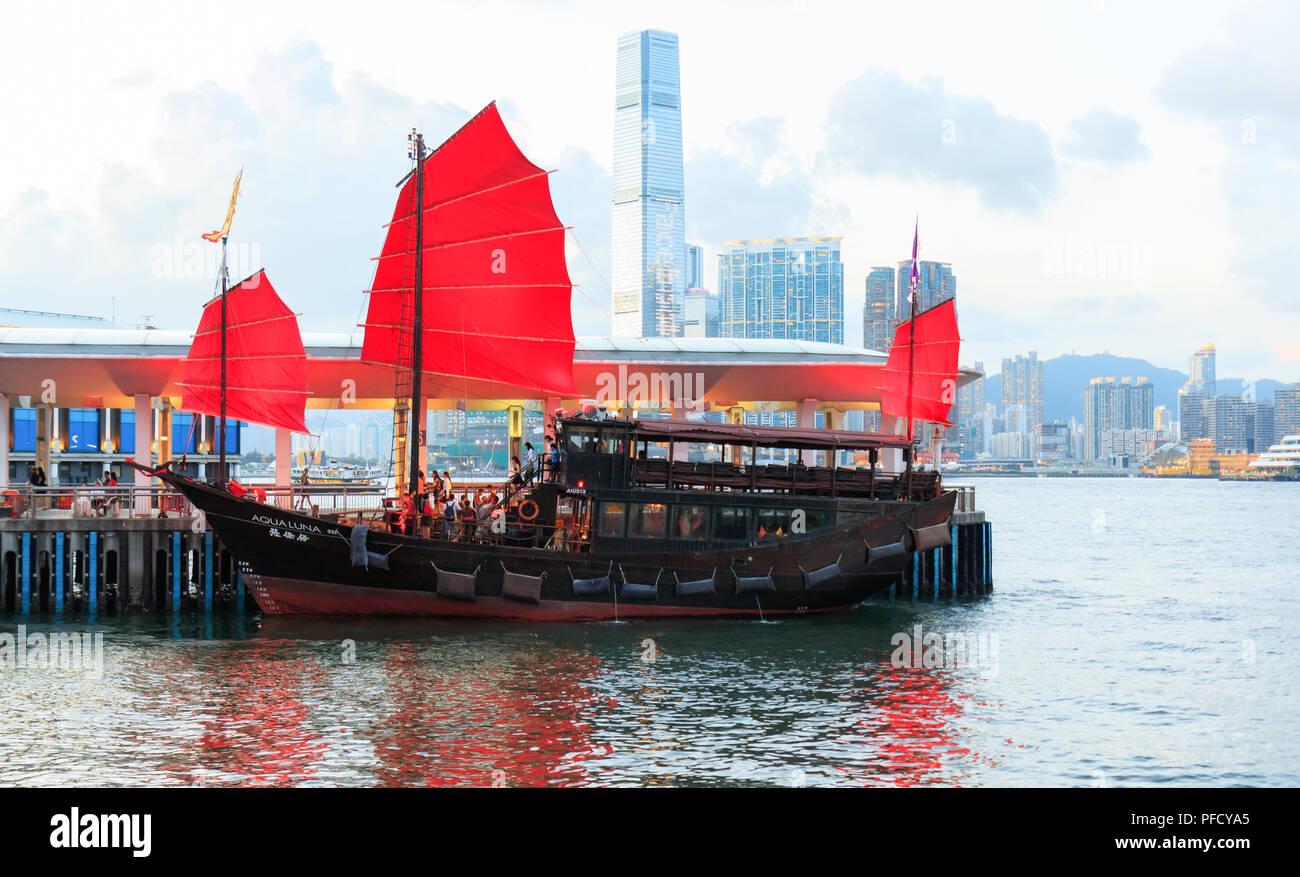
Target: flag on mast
(914,282)
(224,231)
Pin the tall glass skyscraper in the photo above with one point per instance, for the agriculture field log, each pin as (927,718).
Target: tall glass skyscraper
(789,288)
(648,235)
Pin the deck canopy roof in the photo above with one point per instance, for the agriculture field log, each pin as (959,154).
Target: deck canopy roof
(762,436)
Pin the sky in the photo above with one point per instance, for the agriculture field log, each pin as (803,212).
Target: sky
(1103,176)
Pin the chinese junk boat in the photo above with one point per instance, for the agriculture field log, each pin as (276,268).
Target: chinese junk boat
(472,289)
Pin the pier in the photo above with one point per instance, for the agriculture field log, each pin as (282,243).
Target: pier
(133,549)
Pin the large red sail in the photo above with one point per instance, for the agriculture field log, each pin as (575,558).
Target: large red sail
(266,366)
(933,369)
(496,287)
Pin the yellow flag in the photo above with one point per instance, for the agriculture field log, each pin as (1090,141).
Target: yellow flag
(224,231)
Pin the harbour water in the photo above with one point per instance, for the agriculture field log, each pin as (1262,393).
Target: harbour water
(1141,632)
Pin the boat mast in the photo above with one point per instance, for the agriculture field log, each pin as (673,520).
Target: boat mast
(221,418)
(417,331)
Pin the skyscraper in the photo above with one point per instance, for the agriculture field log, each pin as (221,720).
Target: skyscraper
(1200,371)
(694,266)
(782,288)
(1110,405)
(938,284)
(879,312)
(1022,384)
(648,240)
(1287,404)
(702,314)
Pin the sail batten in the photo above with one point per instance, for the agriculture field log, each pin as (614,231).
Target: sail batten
(266,368)
(920,376)
(495,286)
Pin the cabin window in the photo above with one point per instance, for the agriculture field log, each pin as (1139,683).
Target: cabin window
(773,524)
(818,520)
(690,522)
(612,517)
(647,520)
(731,523)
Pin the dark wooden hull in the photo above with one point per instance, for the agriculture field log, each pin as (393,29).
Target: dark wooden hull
(295,564)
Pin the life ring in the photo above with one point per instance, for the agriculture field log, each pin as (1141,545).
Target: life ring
(528,511)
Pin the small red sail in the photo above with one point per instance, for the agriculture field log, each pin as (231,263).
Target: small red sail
(266,366)
(933,369)
(496,286)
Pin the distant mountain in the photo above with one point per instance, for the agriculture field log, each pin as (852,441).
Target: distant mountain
(1066,377)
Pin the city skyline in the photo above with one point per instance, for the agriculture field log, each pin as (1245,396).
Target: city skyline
(1040,265)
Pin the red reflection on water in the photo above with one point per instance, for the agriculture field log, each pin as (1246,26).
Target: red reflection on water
(514,720)
(907,715)
(263,735)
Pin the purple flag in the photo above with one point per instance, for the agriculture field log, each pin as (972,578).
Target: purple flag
(914,282)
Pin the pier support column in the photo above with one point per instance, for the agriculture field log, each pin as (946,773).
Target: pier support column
(44,437)
(143,449)
(808,420)
(832,418)
(164,431)
(283,468)
(515,434)
(4,441)
(891,459)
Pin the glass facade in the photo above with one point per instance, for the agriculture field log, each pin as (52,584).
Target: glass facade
(878,314)
(83,430)
(648,237)
(791,288)
(938,284)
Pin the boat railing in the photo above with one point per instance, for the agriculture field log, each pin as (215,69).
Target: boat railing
(965,496)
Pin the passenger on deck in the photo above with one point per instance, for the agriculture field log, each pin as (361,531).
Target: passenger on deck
(552,460)
(466,514)
(515,469)
(530,457)
(449,516)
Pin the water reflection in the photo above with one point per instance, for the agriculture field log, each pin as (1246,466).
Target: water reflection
(280,702)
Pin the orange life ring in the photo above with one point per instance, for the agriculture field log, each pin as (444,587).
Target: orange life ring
(528,510)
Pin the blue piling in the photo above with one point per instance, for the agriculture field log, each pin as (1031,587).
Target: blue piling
(916,574)
(207,571)
(58,573)
(239,589)
(988,555)
(176,571)
(25,576)
(954,555)
(938,573)
(92,573)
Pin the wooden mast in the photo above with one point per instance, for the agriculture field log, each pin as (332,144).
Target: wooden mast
(417,331)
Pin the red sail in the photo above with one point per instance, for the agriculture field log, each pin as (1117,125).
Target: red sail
(496,286)
(266,366)
(933,369)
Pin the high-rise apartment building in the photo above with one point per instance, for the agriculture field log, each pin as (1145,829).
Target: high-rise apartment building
(648,242)
(879,314)
(782,288)
(1115,405)
(937,285)
(702,314)
(1022,384)
(1286,410)
(1200,371)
